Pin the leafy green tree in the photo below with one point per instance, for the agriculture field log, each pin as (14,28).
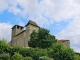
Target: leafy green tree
(59,52)
(42,39)
(17,56)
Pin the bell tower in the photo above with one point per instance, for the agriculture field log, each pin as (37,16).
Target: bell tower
(31,25)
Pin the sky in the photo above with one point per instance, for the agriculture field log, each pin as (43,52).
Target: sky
(61,17)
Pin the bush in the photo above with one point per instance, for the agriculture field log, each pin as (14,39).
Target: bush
(4,47)
(33,52)
(4,57)
(45,58)
(26,51)
(59,52)
(27,58)
(14,49)
(17,56)
(38,53)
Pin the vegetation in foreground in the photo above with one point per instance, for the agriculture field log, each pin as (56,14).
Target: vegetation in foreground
(43,47)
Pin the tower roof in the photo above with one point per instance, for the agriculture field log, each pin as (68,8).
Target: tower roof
(32,23)
(17,25)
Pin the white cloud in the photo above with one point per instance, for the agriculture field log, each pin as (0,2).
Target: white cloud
(5,31)
(3,5)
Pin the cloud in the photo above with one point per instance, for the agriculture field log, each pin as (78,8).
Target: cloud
(49,10)
(5,31)
(3,5)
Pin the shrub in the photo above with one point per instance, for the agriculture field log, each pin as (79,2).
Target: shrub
(17,56)
(33,52)
(59,52)
(4,57)
(14,49)
(4,47)
(27,58)
(45,58)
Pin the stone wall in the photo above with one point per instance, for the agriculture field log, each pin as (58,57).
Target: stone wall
(66,43)
(29,30)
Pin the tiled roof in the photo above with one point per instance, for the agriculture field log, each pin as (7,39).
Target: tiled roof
(62,40)
(32,23)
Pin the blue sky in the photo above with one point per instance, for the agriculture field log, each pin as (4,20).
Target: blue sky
(61,17)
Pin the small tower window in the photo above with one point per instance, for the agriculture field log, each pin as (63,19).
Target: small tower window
(21,28)
(18,27)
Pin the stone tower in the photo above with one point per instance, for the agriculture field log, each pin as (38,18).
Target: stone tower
(20,37)
(29,28)
(16,29)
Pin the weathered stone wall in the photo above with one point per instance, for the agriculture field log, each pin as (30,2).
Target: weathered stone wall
(29,30)
(19,40)
(67,43)
(16,30)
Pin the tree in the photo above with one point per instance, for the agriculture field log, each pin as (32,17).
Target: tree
(42,39)
(59,52)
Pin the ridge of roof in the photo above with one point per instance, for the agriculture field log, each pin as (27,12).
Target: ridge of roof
(32,23)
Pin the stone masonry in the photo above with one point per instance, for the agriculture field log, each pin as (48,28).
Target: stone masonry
(20,37)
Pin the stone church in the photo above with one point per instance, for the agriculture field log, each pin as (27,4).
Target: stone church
(20,37)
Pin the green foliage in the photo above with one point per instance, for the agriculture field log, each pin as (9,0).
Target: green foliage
(59,52)
(42,39)
(17,56)
(39,41)
(38,53)
(4,57)
(14,49)
(77,57)
(27,58)
(32,52)
(45,58)
(27,51)
(4,46)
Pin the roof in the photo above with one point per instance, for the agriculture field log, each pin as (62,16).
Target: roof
(17,25)
(62,40)
(32,23)
(21,32)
